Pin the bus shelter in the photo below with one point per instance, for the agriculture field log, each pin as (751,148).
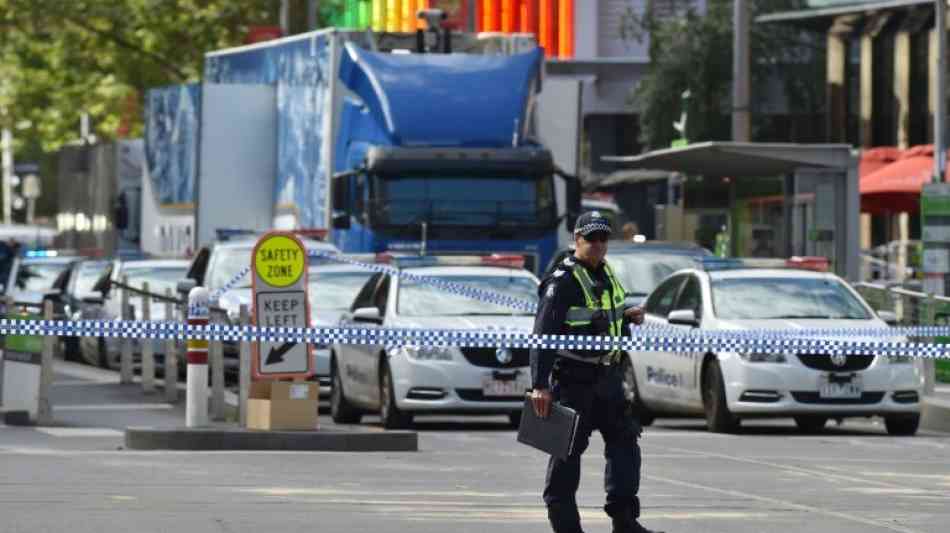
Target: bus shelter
(764,199)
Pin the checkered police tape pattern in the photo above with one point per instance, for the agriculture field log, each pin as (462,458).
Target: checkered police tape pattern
(448,286)
(644,341)
(216,295)
(531,307)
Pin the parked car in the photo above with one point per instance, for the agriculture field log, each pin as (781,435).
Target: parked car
(641,266)
(160,274)
(404,381)
(79,300)
(217,265)
(726,387)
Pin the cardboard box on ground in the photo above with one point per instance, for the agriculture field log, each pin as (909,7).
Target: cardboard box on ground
(282,405)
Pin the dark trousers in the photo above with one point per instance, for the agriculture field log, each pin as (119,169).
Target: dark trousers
(599,399)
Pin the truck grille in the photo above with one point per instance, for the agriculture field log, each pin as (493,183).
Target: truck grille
(824,362)
(485,357)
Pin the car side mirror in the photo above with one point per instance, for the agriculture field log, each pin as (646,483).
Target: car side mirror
(184,286)
(889,317)
(367,314)
(683,317)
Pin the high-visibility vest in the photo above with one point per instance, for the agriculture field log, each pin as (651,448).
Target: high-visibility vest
(579,317)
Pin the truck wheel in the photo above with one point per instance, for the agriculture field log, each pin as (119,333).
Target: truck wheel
(341,410)
(902,425)
(718,417)
(632,395)
(514,419)
(389,413)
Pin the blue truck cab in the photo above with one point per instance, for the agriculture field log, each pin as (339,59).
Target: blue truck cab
(389,147)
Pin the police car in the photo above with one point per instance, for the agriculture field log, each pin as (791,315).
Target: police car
(401,382)
(811,387)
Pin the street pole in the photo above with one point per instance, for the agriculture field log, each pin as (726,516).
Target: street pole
(285,17)
(940,111)
(6,147)
(740,72)
(312,7)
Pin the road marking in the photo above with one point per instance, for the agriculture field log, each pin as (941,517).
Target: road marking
(785,503)
(791,468)
(115,407)
(80,432)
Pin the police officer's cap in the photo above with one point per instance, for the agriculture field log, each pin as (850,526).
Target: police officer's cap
(590,222)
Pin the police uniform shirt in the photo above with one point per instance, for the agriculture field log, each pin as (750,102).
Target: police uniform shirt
(558,292)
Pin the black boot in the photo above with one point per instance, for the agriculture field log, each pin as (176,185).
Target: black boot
(564,518)
(625,522)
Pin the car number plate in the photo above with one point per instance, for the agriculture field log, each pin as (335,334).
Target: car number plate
(839,386)
(516,385)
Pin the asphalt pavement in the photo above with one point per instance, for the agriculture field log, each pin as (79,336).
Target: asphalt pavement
(469,475)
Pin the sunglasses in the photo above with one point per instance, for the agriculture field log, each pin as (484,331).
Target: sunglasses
(597,236)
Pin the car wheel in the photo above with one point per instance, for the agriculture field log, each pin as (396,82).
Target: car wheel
(718,417)
(389,413)
(902,425)
(514,419)
(811,424)
(341,410)
(632,395)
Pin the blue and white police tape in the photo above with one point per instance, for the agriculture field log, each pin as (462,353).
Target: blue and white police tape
(449,286)
(441,283)
(216,295)
(899,331)
(644,341)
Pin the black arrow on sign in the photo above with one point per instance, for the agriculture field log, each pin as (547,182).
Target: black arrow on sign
(276,355)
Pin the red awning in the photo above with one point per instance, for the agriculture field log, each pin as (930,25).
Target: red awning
(874,159)
(896,187)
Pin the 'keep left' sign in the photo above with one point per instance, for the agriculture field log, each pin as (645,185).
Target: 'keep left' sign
(279,265)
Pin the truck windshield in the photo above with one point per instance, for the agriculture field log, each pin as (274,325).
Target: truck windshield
(473,201)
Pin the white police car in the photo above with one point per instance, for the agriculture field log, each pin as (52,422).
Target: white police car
(404,381)
(811,387)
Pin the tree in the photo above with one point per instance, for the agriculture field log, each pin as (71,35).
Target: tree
(694,52)
(60,58)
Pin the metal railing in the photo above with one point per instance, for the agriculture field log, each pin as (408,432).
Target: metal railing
(911,308)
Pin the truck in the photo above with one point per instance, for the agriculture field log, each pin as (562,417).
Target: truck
(389,142)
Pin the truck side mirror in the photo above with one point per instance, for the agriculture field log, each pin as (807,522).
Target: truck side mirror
(341,220)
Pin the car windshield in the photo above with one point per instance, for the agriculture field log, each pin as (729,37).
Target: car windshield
(39,276)
(87,275)
(640,273)
(777,298)
(422,299)
(159,278)
(228,263)
(334,291)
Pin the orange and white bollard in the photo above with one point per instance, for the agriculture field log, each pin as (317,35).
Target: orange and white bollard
(196,399)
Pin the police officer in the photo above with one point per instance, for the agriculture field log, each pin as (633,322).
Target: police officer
(582,296)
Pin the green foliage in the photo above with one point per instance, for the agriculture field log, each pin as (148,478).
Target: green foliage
(943,371)
(59,58)
(694,52)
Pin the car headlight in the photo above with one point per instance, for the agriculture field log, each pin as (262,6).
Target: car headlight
(900,359)
(427,353)
(763,357)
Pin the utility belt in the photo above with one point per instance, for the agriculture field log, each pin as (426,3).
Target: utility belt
(609,359)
